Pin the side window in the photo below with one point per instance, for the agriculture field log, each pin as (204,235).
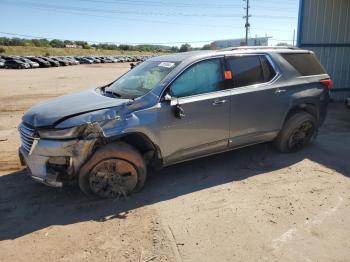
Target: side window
(269,72)
(306,64)
(203,77)
(246,70)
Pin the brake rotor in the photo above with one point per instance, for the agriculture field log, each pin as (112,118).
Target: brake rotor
(113,178)
(301,136)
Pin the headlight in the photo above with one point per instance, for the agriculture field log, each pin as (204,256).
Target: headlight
(67,133)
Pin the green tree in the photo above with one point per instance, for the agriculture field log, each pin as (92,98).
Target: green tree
(68,42)
(57,43)
(185,48)
(41,42)
(206,47)
(83,44)
(174,49)
(16,41)
(126,47)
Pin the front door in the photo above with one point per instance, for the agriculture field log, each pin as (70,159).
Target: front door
(196,120)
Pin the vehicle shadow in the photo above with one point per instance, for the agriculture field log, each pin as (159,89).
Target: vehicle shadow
(26,206)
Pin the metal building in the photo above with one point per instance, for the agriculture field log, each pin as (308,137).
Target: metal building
(324,27)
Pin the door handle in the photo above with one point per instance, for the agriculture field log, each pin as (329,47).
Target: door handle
(280,91)
(219,102)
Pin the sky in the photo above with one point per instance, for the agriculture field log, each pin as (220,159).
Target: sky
(171,22)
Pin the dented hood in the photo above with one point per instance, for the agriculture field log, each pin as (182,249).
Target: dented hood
(55,110)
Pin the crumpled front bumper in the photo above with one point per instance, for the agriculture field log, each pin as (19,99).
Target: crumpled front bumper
(38,159)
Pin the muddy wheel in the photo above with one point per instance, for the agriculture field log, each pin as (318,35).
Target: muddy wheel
(114,170)
(296,133)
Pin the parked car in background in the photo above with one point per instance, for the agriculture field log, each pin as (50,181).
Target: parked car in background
(60,61)
(2,63)
(72,60)
(84,60)
(26,60)
(347,102)
(16,64)
(41,62)
(175,108)
(94,59)
(51,61)
(105,59)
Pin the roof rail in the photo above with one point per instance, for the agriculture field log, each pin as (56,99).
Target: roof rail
(258,47)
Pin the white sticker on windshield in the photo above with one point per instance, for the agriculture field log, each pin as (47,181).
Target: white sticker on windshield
(166,64)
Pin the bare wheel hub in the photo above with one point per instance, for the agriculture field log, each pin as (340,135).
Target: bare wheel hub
(301,135)
(113,178)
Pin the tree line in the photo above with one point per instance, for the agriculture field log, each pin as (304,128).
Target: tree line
(57,43)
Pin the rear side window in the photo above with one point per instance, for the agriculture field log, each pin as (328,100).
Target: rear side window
(247,70)
(305,64)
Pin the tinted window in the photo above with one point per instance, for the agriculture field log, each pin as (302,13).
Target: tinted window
(203,77)
(246,70)
(305,64)
(269,72)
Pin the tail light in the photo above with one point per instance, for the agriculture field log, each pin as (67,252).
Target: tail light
(327,82)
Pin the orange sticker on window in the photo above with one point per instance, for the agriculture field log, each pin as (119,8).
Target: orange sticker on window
(228,75)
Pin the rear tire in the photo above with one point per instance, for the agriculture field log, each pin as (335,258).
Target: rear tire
(114,170)
(297,132)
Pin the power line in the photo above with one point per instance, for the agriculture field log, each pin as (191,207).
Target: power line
(165,4)
(114,11)
(120,12)
(162,21)
(177,4)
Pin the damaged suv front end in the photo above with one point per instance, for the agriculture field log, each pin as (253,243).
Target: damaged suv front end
(53,156)
(59,136)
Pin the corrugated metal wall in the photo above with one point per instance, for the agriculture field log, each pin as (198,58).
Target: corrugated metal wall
(324,27)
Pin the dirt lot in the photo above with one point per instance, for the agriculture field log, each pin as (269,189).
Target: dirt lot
(251,204)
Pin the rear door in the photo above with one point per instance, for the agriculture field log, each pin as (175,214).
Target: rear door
(257,102)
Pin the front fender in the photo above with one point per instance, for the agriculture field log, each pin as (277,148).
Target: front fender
(143,122)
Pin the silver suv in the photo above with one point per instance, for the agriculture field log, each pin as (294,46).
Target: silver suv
(171,109)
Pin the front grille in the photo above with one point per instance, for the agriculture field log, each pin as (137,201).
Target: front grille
(27,136)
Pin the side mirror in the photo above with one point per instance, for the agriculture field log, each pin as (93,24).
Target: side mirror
(179,112)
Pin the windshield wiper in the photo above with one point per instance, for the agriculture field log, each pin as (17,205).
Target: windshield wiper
(115,94)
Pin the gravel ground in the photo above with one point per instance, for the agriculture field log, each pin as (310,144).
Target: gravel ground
(251,204)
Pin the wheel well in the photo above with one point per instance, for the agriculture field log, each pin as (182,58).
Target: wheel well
(306,107)
(144,145)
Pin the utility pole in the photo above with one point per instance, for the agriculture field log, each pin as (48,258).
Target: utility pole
(247,25)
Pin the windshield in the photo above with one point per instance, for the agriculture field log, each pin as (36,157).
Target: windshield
(140,80)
